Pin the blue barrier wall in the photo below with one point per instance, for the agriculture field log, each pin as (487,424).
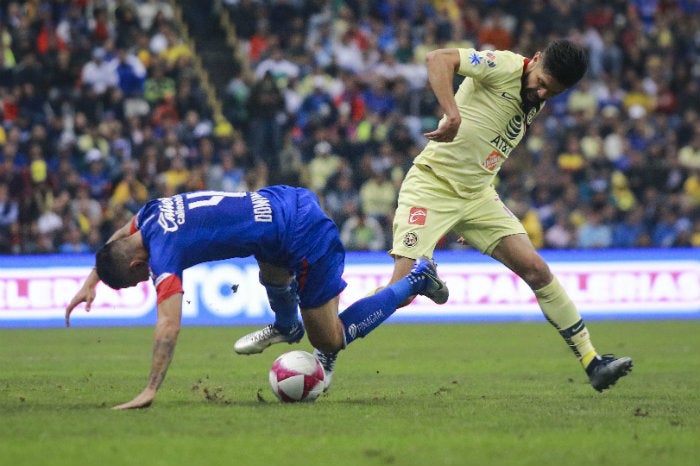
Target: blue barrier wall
(610,284)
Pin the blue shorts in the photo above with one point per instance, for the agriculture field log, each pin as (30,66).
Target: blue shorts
(321,260)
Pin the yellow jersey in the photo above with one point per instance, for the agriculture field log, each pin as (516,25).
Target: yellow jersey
(493,121)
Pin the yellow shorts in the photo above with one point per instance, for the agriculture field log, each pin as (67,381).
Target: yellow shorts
(429,207)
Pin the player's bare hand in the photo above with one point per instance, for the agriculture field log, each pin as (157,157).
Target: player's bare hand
(86,294)
(446,132)
(143,400)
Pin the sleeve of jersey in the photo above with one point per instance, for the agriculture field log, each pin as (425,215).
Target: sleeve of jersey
(488,66)
(167,285)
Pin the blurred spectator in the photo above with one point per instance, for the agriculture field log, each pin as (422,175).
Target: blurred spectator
(595,232)
(158,85)
(129,191)
(72,242)
(175,177)
(277,65)
(322,166)
(342,198)
(130,72)
(9,215)
(665,231)
(628,230)
(266,110)
(226,176)
(378,197)
(98,74)
(97,176)
(561,235)
(493,34)
(317,108)
(148,10)
(360,232)
(689,155)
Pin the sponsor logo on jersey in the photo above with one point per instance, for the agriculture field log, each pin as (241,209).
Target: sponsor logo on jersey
(475,59)
(491,162)
(501,145)
(507,96)
(417,216)
(515,125)
(172,213)
(410,240)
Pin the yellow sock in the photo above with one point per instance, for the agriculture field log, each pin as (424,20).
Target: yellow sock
(561,312)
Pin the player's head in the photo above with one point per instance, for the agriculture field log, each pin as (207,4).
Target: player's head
(565,61)
(561,65)
(116,265)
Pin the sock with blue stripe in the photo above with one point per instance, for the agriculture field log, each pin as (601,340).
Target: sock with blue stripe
(363,316)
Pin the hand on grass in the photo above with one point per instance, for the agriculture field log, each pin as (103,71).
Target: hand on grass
(143,400)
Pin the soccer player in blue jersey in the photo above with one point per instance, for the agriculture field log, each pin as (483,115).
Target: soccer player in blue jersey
(450,186)
(297,248)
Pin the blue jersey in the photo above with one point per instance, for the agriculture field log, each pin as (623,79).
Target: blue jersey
(279,225)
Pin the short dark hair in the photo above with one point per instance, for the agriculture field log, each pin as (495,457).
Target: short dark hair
(565,61)
(112,264)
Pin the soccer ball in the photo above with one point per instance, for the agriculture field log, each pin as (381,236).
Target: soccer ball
(297,376)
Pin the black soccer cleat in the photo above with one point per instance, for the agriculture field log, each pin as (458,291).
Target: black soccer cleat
(604,371)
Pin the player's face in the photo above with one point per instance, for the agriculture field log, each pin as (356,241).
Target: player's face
(540,85)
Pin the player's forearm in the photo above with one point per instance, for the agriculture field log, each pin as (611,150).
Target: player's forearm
(441,69)
(164,343)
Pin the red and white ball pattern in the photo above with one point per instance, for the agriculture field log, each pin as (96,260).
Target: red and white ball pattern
(297,376)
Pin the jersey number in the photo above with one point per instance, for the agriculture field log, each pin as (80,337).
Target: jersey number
(213,198)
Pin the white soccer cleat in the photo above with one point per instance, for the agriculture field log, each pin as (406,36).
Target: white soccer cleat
(257,341)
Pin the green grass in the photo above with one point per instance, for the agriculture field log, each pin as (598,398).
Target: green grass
(461,394)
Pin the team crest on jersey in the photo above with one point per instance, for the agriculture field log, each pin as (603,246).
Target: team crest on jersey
(410,240)
(530,116)
(417,216)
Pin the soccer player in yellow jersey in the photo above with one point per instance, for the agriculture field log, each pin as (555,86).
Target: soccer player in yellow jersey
(450,186)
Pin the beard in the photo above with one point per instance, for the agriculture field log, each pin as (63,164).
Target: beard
(528,95)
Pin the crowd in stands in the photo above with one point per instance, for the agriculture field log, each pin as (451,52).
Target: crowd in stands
(101,110)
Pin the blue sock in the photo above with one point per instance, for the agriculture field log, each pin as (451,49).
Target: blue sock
(365,315)
(283,302)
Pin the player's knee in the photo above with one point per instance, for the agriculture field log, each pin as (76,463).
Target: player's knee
(535,272)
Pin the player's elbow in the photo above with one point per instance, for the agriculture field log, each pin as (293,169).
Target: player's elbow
(448,58)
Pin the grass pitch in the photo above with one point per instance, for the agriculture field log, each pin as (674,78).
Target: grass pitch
(460,394)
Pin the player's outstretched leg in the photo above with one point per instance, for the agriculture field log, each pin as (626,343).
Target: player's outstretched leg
(604,371)
(257,341)
(363,316)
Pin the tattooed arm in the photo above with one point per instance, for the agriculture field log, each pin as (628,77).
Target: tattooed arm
(165,339)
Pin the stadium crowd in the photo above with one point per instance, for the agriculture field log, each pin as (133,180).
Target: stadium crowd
(101,110)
